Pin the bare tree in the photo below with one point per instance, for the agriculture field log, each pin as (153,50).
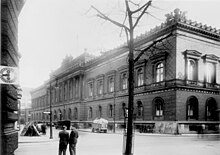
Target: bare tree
(133,18)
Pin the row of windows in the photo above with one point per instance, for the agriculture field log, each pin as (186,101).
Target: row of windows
(159,71)
(158,106)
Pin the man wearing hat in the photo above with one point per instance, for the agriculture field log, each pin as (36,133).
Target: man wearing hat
(73,140)
(64,139)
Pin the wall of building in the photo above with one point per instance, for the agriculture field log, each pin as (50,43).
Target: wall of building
(10,10)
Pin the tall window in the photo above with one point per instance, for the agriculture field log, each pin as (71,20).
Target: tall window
(211,107)
(70,114)
(159,72)
(140,77)
(90,112)
(99,112)
(124,110)
(124,81)
(191,70)
(210,72)
(111,84)
(90,85)
(110,110)
(192,108)
(75,114)
(140,109)
(159,107)
(100,87)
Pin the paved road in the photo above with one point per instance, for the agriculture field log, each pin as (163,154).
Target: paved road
(112,144)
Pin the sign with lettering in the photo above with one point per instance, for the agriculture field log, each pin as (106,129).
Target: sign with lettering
(8,75)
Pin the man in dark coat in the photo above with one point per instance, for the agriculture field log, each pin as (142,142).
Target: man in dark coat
(64,139)
(73,140)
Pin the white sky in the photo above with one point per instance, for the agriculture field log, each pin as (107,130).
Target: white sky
(51,29)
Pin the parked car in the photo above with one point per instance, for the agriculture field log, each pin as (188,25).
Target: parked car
(100,125)
(60,124)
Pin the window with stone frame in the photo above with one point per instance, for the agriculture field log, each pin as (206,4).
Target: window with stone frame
(99,112)
(210,63)
(210,72)
(140,77)
(139,110)
(110,110)
(100,87)
(160,72)
(90,112)
(123,110)
(192,70)
(70,114)
(90,89)
(124,81)
(192,108)
(191,64)
(75,113)
(211,110)
(111,84)
(158,61)
(159,107)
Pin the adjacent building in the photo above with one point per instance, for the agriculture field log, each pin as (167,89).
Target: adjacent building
(177,82)
(10,10)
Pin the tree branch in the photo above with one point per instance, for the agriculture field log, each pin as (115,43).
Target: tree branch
(103,16)
(151,45)
(139,9)
(142,13)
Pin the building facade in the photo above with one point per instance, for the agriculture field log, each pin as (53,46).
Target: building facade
(10,10)
(177,82)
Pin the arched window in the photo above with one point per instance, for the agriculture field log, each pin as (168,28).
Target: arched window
(140,77)
(123,110)
(124,81)
(211,107)
(90,112)
(55,115)
(110,110)
(60,115)
(99,115)
(75,114)
(64,114)
(70,114)
(192,108)
(159,107)
(191,70)
(140,109)
(159,72)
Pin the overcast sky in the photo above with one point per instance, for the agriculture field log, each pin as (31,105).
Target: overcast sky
(51,29)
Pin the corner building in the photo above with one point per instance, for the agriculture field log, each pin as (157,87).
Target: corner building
(177,82)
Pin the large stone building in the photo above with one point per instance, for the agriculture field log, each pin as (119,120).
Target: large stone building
(10,10)
(177,82)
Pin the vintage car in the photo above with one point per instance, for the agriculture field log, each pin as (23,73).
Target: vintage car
(100,125)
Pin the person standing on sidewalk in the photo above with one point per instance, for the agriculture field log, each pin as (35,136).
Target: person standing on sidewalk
(73,140)
(64,139)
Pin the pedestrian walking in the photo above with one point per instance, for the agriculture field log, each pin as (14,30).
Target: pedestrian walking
(73,140)
(64,139)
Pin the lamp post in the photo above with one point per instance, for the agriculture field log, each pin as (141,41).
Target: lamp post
(51,131)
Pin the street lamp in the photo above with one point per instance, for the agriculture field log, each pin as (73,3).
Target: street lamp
(51,131)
